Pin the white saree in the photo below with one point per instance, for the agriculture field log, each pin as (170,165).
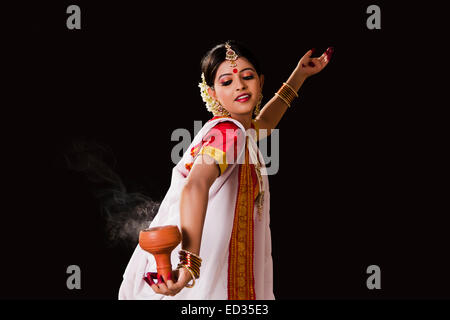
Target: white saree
(215,245)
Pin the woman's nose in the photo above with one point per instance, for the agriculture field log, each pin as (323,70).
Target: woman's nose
(240,85)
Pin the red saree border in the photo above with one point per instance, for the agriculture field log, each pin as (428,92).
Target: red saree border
(241,282)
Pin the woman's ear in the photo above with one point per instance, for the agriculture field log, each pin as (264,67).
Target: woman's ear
(212,92)
(261,81)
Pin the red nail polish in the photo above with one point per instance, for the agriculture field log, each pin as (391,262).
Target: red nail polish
(160,279)
(146,280)
(313,50)
(311,64)
(169,276)
(329,52)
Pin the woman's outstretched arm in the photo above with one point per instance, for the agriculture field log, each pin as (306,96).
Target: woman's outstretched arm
(194,201)
(193,205)
(274,110)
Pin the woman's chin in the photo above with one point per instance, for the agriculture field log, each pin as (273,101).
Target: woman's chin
(244,107)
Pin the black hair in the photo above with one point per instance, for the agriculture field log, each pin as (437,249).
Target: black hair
(214,57)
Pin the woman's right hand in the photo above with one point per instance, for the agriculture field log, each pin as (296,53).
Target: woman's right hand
(167,286)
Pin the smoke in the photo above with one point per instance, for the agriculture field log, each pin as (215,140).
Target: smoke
(126,213)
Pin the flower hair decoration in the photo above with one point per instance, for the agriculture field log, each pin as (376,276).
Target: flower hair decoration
(212,104)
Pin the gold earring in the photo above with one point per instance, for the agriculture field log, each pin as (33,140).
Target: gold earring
(221,111)
(218,110)
(258,105)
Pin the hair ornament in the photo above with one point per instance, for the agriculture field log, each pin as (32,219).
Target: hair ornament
(231,55)
(212,104)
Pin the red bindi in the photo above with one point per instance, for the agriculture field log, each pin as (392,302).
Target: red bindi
(235,70)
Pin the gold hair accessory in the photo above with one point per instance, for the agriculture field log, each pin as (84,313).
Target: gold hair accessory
(212,104)
(231,55)
(287,94)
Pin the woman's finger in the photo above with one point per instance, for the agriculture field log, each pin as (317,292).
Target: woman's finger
(163,289)
(150,278)
(309,53)
(155,288)
(323,63)
(171,286)
(167,287)
(174,288)
(184,277)
(324,58)
(328,53)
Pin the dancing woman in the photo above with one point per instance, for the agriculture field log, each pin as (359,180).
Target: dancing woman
(219,193)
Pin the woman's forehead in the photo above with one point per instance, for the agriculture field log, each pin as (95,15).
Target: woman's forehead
(226,67)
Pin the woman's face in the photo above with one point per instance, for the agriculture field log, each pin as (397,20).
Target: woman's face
(237,88)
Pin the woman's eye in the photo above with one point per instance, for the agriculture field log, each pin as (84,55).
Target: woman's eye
(226,83)
(248,77)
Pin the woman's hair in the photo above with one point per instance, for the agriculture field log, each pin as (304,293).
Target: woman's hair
(214,57)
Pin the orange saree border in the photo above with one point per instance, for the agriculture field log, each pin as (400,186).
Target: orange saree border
(241,283)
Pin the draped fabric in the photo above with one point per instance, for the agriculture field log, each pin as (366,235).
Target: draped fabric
(241,282)
(219,142)
(236,242)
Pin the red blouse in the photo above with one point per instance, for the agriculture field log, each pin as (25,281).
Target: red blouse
(220,140)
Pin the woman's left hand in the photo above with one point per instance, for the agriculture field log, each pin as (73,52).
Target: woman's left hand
(309,66)
(167,286)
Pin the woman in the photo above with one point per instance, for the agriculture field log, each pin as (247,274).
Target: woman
(219,194)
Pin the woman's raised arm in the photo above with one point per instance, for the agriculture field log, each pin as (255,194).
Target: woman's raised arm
(273,111)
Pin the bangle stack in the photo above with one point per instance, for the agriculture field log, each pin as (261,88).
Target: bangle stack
(192,263)
(287,94)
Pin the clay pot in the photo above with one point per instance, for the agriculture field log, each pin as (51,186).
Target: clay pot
(160,241)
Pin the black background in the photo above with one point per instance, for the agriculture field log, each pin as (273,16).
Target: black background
(360,180)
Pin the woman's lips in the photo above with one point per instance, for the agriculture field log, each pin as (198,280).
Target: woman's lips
(243,98)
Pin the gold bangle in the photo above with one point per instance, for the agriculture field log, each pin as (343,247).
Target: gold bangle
(290,87)
(286,91)
(192,275)
(195,270)
(188,253)
(190,261)
(287,94)
(285,101)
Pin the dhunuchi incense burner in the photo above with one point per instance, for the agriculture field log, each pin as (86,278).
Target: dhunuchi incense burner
(160,241)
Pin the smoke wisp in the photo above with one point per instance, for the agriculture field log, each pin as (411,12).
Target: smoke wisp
(126,213)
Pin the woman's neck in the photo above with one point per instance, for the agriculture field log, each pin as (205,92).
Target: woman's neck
(245,120)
